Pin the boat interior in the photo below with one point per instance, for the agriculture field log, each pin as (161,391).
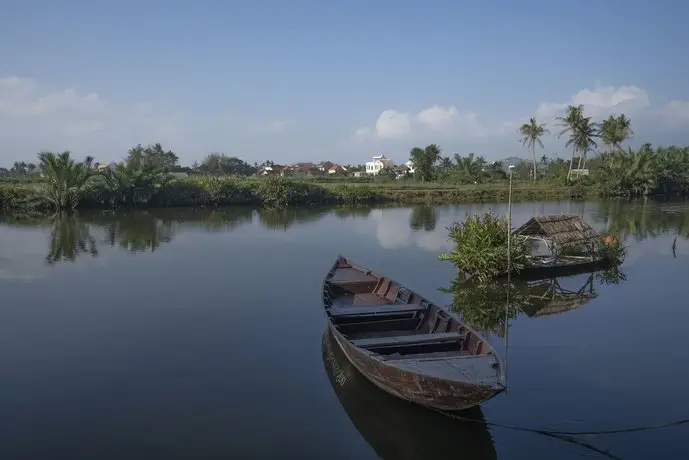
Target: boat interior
(377,314)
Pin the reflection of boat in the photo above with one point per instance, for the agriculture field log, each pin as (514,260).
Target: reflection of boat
(406,345)
(560,245)
(396,429)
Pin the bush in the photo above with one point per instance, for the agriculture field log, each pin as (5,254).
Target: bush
(481,247)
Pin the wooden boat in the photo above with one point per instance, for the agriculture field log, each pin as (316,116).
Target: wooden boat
(405,344)
(396,429)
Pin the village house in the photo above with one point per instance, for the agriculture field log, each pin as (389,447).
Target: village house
(297,169)
(379,163)
(324,166)
(337,169)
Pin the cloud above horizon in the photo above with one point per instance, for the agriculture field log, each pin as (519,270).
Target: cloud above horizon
(36,116)
(455,126)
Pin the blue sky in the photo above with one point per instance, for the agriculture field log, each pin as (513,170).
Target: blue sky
(307,80)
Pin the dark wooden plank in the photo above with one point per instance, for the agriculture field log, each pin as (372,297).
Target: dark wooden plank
(351,275)
(470,369)
(370,310)
(414,339)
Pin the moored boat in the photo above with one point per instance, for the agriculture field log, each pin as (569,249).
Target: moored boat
(405,344)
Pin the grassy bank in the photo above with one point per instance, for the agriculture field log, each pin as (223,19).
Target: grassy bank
(272,192)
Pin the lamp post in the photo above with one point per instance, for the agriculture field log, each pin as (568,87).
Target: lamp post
(509,267)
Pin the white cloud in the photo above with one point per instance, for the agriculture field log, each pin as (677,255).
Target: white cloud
(674,114)
(34,118)
(393,124)
(600,103)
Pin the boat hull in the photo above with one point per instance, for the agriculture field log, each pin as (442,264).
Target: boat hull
(420,389)
(549,271)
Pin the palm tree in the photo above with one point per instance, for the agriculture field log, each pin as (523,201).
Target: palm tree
(585,138)
(569,124)
(65,178)
(531,135)
(615,130)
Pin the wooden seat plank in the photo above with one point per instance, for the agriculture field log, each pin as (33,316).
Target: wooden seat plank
(413,339)
(373,310)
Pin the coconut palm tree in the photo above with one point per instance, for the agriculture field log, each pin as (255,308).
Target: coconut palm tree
(531,135)
(615,130)
(569,125)
(585,138)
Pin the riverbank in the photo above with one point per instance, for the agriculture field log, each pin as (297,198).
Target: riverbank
(274,192)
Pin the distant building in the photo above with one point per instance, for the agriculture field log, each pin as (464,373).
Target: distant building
(102,167)
(324,166)
(410,166)
(379,163)
(337,169)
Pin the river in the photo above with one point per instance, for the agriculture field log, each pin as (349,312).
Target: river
(196,334)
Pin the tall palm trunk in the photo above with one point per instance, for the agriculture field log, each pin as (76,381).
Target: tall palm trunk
(533,154)
(571,163)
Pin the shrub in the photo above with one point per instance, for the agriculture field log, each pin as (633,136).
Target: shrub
(481,247)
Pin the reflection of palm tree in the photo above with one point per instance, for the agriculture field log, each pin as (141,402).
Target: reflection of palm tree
(423,217)
(69,238)
(139,232)
(643,220)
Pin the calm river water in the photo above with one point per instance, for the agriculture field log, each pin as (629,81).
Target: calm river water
(185,334)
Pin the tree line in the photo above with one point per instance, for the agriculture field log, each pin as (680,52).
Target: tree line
(616,170)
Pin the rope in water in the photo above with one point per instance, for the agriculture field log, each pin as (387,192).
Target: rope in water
(567,433)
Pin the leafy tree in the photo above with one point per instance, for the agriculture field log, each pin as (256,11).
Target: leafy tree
(218,163)
(471,168)
(424,160)
(153,155)
(531,135)
(138,177)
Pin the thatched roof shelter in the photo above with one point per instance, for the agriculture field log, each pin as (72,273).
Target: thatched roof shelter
(563,231)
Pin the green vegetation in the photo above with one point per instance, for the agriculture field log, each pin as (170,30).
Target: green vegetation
(484,305)
(481,247)
(151,176)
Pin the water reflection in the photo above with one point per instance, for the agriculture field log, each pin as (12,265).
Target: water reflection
(418,226)
(69,238)
(644,219)
(484,305)
(282,219)
(399,430)
(423,218)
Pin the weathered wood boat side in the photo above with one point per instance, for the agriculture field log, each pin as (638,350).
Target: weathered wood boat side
(397,429)
(406,345)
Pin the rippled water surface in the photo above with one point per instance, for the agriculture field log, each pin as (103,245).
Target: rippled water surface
(197,334)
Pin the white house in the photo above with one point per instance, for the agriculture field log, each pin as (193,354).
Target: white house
(379,163)
(410,166)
